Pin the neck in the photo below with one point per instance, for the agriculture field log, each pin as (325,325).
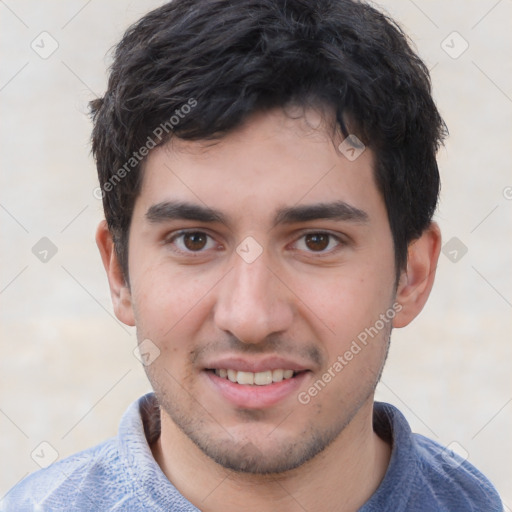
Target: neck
(342,477)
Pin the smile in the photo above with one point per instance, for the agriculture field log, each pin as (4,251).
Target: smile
(263,378)
(255,390)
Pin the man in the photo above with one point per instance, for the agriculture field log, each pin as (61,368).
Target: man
(269,177)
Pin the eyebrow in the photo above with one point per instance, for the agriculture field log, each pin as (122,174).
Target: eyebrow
(337,210)
(178,210)
(173,210)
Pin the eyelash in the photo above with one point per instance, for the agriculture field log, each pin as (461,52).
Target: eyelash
(339,242)
(172,240)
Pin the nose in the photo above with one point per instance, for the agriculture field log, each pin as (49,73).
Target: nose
(252,302)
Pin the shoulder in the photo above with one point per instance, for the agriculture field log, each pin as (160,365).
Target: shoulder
(451,480)
(424,475)
(89,480)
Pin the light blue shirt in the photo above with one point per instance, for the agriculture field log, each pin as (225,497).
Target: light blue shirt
(122,475)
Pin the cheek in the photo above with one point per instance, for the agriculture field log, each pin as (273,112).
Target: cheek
(347,301)
(170,320)
(356,342)
(169,305)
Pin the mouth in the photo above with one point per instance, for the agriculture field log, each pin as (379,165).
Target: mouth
(263,378)
(255,390)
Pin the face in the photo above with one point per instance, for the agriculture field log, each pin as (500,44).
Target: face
(264,255)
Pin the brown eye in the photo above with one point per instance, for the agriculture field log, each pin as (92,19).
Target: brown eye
(195,241)
(317,241)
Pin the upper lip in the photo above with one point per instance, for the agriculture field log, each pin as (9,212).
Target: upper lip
(255,365)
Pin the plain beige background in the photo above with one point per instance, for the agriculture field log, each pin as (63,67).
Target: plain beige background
(67,368)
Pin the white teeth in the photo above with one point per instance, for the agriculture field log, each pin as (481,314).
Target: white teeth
(258,378)
(262,378)
(245,378)
(287,374)
(277,375)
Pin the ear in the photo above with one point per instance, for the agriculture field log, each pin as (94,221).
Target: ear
(417,279)
(119,289)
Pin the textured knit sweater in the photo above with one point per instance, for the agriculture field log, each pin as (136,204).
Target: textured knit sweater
(122,475)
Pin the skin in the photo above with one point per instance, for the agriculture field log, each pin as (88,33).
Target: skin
(300,299)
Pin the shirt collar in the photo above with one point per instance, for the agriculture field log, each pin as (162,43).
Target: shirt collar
(140,426)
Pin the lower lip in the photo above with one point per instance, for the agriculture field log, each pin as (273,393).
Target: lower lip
(253,396)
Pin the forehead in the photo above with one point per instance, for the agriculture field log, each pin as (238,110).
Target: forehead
(274,160)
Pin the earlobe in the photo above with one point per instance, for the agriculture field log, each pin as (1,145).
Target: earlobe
(119,289)
(417,279)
